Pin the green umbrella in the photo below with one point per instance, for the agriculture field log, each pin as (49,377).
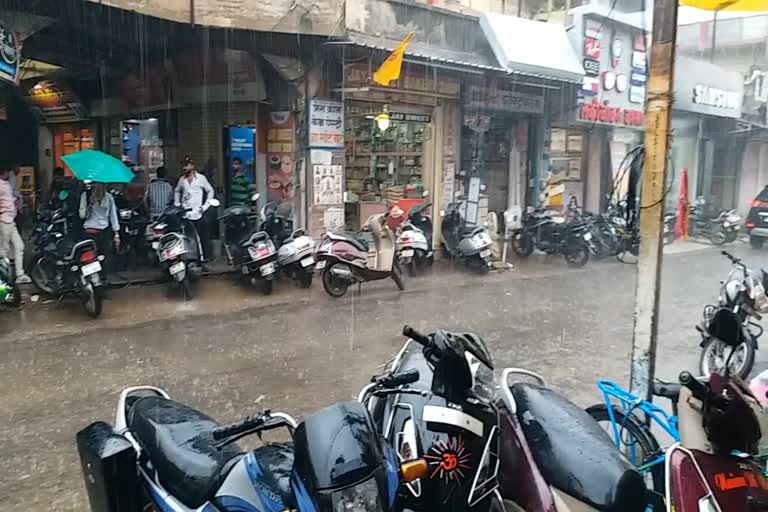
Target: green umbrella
(91,165)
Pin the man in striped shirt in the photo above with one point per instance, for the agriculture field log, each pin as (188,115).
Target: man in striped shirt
(240,188)
(159,194)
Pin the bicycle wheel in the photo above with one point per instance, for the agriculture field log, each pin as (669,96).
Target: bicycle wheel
(638,444)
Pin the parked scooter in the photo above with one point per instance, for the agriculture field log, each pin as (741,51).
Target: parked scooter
(164,455)
(717,419)
(295,253)
(414,240)
(10,294)
(63,267)
(348,259)
(179,248)
(248,249)
(719,229)
(445,415)
(470,244)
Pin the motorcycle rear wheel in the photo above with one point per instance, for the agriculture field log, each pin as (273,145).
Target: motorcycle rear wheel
(714,353)
(334,287)
(41,278)
(576,255)
(186,289)
(719,237)
(634,435)
(305,279)
(267,285)
(522,246)
(397,276)
(92,300)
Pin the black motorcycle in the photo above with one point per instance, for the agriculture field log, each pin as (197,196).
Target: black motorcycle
(63,266)
(249,250)
(445,413)
(133,226)
(552,235)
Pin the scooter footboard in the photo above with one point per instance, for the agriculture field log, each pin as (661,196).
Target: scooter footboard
(108,462)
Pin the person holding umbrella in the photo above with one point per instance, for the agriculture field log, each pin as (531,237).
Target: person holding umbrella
(99,214)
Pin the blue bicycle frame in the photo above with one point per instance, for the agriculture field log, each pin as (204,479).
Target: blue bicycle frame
(628,403)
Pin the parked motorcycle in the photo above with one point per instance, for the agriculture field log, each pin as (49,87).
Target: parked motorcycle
(742,293)
(348,258)
(10,294)
(543,230)
(248,249)
(165,455)
(133,228)
(414,244)
(64,267)
(470,244)
(446,416)
(720,229)
(295,253)
(717,419)
(178,248)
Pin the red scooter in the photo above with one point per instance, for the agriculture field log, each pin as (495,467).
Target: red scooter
(555,458)
(717,419)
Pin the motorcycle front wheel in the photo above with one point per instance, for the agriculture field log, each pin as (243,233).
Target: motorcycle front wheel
(718,237)
(334,286)
(43,276)
(731,236)
(397,276)
(715,353)
(522,244)
(576,255)
(92,300)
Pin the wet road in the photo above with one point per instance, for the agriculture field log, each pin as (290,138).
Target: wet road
(230,353)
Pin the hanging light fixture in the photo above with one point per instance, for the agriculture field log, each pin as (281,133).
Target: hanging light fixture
(382,120)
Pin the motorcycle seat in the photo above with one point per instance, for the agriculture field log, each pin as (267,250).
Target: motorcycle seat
(470,231)
(178,441)
(351,237)
(574,454)
(668,390)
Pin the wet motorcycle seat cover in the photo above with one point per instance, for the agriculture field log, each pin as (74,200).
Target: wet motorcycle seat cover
(352,238)
(178,441)
(574,454)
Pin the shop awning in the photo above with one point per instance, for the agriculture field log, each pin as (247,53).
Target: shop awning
(427,52)
(533,48)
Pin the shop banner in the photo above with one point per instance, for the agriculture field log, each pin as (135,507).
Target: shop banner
(9,55)
(280,156)
(326,124)
(241,145)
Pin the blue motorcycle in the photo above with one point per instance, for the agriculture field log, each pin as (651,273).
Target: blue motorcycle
(165,456)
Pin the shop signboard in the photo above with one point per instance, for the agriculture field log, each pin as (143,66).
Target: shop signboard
(504,100)
(592,67)
(242,145)
(326,124)
(705,88)
(9,55)
(54,102)
(756,96)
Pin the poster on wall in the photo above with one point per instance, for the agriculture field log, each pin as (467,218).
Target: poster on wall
(326,124)
(327,184)
(280,156)
(9,55)
(242,153)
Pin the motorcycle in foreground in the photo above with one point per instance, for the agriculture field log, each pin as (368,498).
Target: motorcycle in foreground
(446,416)
(349,258)
(742,293)
(178,248)
(718,419)
(414,240)
(470,244)
(10,294)
(64,267)
(543,230)
(164,455)
(295,253)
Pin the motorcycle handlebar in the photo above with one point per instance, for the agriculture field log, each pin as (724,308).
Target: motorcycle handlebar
(415,335)
(399,379)
(697,388)
(734,259)
(234,429)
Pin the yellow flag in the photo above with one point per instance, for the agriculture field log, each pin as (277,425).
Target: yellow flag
(728,5)
(390,68)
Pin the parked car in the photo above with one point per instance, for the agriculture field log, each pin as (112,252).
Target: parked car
(757,220)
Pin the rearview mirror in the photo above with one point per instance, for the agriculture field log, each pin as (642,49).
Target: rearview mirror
(215,203)
(414,469)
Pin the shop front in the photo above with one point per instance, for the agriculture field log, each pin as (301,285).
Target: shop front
(708,102)
(588,146)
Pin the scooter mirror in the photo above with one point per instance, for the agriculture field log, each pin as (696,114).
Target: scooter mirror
(255,197)
(215,203)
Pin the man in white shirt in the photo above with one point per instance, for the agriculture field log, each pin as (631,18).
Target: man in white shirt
(194,193)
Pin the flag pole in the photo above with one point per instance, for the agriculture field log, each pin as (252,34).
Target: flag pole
(658,113)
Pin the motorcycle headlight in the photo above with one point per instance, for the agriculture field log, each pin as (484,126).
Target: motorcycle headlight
(363,497)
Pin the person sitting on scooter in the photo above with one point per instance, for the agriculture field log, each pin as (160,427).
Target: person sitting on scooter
(195,193)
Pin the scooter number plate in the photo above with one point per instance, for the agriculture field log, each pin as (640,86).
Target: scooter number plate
(320,265)
(267,269)
(407,253)
(307,261)
(91,268)
(155,245)
(176,268)
(485,253)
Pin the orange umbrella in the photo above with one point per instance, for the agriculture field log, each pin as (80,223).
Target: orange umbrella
(681,225)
